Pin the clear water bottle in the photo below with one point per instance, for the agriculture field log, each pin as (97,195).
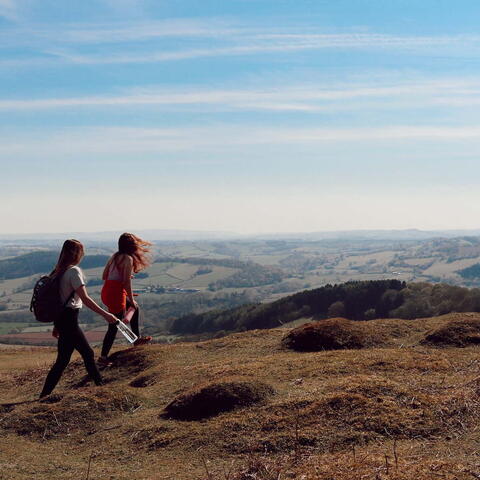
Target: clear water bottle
(129,315)
(126,332)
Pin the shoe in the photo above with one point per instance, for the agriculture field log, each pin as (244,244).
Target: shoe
(104,362)
(142,341)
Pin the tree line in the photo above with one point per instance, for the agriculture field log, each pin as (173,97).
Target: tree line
(356,300)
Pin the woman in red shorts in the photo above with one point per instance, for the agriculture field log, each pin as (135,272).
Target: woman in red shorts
(117,294)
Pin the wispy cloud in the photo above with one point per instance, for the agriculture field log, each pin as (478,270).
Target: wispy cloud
(306,98)
(231,42)
(8,9)
(120,33)
(259,44)
(217,138)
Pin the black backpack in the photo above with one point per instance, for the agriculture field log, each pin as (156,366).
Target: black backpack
(46,303)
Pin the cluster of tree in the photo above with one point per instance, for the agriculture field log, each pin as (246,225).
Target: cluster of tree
(355,300)
(430,300)
(161,314)
(41,262)
(471,273)
(365,300)
(300,263)
(204,270)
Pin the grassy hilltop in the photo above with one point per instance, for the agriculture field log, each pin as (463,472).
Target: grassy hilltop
(402,404)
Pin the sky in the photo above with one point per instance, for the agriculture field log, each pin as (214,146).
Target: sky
(248,116)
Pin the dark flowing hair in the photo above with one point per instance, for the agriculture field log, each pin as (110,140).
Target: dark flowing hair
(135,247)
(71,254)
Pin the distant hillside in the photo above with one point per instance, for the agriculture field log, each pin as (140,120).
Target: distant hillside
(250,274)
(353,300)
(41,262)
(471,273)
(362,300)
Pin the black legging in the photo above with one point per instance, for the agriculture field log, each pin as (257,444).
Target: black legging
(70,338)
(112,331)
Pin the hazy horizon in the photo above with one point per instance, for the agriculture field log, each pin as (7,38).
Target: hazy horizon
(251,117)
(193,235)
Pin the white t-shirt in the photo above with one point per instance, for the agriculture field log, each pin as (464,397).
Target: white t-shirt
(71,280)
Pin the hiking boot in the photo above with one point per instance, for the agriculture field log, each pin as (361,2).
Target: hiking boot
(104,362)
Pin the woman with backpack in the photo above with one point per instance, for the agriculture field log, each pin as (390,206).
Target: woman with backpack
(73,295)
(117,293)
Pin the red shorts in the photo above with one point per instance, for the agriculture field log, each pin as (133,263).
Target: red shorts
(114,296)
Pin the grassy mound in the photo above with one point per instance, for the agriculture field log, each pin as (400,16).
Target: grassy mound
(125,364)
(61,415)
(134,359)
(455,333)
(214,398)
(378,407)
(331,334)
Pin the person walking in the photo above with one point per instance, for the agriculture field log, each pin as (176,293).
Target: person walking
(73,295)
(117,294)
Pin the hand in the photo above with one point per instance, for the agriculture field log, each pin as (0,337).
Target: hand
(55,333)
(133,303)
(110,318)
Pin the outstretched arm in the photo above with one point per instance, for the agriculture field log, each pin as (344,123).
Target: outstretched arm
(92,305)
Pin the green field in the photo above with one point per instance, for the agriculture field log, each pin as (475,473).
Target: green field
(6,327)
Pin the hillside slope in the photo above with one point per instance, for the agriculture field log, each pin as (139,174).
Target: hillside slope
(402,409)
(41,262)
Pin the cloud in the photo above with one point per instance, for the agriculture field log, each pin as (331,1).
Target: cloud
(217,138)
(8,9)
(288,43)
(120,33)
(301,98)
(233,42)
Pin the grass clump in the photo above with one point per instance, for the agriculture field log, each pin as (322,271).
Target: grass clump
(214,398)
(455,333)
(378,408)
(61,415)
(331,334)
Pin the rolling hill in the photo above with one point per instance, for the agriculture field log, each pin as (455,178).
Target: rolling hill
(41,261)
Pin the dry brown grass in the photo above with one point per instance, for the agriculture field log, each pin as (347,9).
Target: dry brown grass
(332,334)
(208,400)
(334,416)
(457,333)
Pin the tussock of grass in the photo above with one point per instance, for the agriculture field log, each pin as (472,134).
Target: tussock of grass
(60,415)
(124,365)
(376,407)
(212,399)
(331,334)
(135,359)
(457,333)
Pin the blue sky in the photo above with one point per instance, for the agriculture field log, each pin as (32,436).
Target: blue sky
(241,115)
